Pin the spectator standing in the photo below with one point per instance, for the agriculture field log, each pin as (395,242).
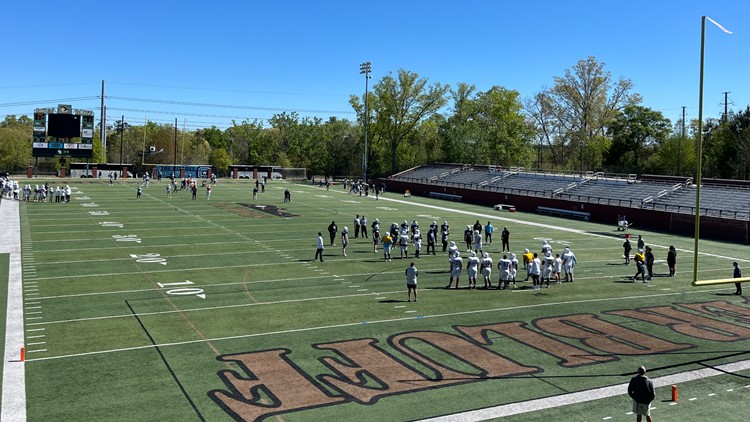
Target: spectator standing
(356,226)
(319,250)
(431,240)
(650,262)
(672,260)
(641,390)
(627,247)
(411,281)
(332,230)
(737,274)
(488,229)
(363,226)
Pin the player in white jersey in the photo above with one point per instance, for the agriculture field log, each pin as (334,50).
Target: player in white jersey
(472,268)
(546,247)
(536,270)
(417,240)
(344,240)
(452,251)
(548,263)
(504,266)
(487,270)
(457,265)
(513,269)
(477,242)
(569,262)
(557,269)
(403,242)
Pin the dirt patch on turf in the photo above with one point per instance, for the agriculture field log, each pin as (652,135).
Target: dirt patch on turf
(255,210)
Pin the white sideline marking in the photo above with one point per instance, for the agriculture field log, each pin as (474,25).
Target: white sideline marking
(585,396)
(14,375)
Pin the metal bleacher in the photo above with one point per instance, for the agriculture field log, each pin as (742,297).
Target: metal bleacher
(622,190)
(427,173)
(718,200)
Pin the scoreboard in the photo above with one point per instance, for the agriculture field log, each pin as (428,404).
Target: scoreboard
(63,132)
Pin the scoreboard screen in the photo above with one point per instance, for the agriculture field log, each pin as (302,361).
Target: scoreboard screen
(64,125)
(63,133)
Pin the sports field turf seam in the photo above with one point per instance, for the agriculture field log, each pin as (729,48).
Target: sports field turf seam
(166,363)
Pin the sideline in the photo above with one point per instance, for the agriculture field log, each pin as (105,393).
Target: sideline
(586,396)
(14,375)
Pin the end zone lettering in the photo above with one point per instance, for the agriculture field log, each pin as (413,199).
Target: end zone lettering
(363,372)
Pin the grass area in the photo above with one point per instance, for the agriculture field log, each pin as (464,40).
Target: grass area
(170,309)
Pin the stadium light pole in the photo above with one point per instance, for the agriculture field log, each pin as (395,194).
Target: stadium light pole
(365,69)
(699,145)
(122,130)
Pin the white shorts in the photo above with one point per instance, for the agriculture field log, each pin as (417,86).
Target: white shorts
(487,272)
(568,269)
(641,409)
(455,272)
(504,275)
(472,273)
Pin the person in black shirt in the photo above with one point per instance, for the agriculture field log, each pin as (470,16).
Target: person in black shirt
(332,230)
(641,390)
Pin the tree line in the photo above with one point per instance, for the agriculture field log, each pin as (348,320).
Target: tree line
(586,121)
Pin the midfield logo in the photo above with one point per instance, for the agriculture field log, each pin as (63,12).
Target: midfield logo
(364,372)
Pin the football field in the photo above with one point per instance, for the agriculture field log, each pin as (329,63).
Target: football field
(179,309)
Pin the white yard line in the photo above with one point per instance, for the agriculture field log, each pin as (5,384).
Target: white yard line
(14,376)
(353,324)
(585,396)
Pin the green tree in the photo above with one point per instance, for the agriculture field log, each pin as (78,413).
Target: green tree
(220,160)
(398,104)
(636,133)
(581,105)
(460,131)
(15,143)
(503,129)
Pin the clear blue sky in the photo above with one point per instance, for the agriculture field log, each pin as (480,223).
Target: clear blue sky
(296,55)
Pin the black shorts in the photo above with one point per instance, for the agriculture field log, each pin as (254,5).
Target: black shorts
(411,286)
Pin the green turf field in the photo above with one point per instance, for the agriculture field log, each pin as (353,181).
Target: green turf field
(164,309)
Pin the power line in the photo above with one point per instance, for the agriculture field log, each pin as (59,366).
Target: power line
(52,101)
(230,90)
(239,107)
(185,114)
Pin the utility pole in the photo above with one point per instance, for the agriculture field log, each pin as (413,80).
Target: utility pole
(174,161)
(726,106)
(365,69)
(122,131)
(103,128)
